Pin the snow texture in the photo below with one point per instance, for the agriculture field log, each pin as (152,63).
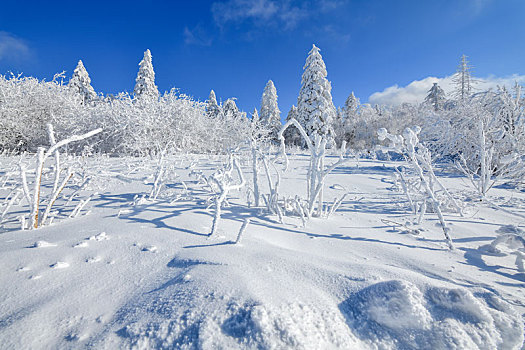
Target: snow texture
(146,275)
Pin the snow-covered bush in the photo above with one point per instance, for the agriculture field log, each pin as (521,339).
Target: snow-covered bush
(224,181)
(146,126)
(483,135)
(35,196)
(420,160)
(27,105)
(317,170)
(362,121)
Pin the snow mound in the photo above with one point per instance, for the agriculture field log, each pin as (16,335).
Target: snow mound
(397,314)
(395,305)
(248,325)
(511,229)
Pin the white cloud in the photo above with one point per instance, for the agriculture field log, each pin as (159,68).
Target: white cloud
(12,48)
(196,36)
(416,91)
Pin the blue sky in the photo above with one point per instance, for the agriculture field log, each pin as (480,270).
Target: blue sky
(390,48)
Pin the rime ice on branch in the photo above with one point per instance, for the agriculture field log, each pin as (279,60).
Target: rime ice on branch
(419,157)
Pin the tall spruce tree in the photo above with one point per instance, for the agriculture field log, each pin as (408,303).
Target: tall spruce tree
(270,115)
(338,127)
(231,111)
(145,82)
(80,83)
(213,110)
(436,97)
(351,106)
(315,108)
(350,115)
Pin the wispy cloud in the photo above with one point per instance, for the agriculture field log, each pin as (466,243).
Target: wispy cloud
(259,12)
(196,36)
(284,14)
(12,48)
(248,19)
(240,10)
(477,6)
(417,90)
(331,31)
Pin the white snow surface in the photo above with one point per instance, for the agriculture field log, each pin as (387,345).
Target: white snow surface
(146,275)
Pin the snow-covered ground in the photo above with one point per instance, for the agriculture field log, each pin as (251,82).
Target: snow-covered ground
(144,274)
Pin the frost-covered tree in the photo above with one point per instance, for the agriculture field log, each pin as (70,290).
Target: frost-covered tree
(350,114)
(511,109)
(291,134)
(231,111)
(351,106)
(436,97)
(145,82)
(270,115)
(364,126)
(80,83)
(213,109)
(462,80)
(338,127)
(315,108)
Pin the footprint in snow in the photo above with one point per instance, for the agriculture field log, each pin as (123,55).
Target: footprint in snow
(83,244)
(100,237)
(42,244)
(59,265)
(93,259)
(149,248)
(146,248)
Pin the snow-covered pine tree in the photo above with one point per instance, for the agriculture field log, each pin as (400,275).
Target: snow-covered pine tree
(462,79)
(292,135)
(231,111)
(256,127)
(213,109)
(145,83)
(350,111)
(80,83)
(338,127)
(315,108)
(436,97)
(351,106)
(270,115)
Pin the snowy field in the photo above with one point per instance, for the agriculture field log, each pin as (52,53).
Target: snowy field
(126,271)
